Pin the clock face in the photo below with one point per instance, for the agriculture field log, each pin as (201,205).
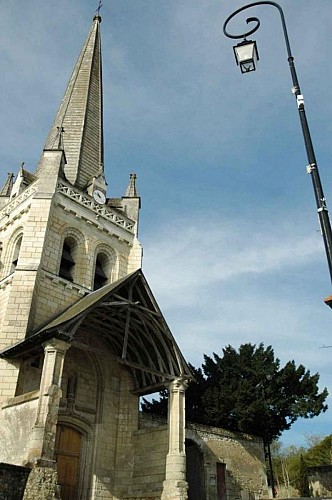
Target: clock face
(99,197)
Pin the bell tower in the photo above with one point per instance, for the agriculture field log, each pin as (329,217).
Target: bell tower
(61,236)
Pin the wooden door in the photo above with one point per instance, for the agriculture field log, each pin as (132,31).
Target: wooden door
(67,458)
(195,471)
(221,481)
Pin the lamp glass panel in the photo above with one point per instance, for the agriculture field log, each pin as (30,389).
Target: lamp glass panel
(245,52)
(247,66)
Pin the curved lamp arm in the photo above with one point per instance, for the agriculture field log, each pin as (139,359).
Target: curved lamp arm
(312,167)
(251,19)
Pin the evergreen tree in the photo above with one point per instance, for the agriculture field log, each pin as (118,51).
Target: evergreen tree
(248,391)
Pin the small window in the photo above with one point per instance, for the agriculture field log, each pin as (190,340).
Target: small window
(16,254)
(102,263)
(67,262)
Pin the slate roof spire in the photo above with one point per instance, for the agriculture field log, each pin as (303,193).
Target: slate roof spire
(80,115)
(8,185)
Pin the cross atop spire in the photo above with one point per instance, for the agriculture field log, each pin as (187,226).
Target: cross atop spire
(61,131)
(98,8)
(81,114)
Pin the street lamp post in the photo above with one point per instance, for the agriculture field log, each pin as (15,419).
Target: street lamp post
(246,55)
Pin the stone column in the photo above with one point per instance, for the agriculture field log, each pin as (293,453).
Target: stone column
(43,479)
(44,431)
(175,485)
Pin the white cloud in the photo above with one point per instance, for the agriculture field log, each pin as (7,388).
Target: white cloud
(195,254)
(223,281)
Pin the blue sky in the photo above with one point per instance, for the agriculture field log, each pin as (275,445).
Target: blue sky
(232,248)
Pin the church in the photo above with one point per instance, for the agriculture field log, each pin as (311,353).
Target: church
(82,336)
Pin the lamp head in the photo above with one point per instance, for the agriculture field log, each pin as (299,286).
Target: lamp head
(246,55)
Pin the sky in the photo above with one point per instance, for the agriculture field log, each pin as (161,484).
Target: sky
(232,245)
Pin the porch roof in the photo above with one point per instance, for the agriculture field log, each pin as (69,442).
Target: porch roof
(126,315)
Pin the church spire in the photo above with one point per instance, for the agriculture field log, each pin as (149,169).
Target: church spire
(80,115)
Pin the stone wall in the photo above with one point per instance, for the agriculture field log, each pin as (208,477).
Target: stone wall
(12,481)
(17,418)
(320,481)
(151,446)
(242,454)
(42,485)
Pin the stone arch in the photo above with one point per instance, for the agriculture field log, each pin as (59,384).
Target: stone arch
(79,412)
(106,257)
(80,456)
(195,470)
(72,250)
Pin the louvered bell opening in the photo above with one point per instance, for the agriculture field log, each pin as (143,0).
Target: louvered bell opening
(65,273)
(67,263)
(16,255)
(66,255)
(100,276)
(14,265)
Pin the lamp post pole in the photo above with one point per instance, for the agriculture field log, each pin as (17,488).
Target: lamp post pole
(312,167)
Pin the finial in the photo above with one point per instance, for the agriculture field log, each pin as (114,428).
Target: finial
(22,165)
(131,191)
(97,16)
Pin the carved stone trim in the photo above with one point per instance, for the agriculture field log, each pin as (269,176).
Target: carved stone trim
(29,191)
(100,210)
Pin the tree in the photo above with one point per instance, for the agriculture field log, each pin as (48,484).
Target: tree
(194,396)
(289,468)
(303,485)
(248,391)
(320,453)
(290,464)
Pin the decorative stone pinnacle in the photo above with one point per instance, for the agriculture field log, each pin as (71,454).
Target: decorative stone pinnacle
(131,191)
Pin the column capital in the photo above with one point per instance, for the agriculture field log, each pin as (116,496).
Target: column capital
(55,344)
(179,384)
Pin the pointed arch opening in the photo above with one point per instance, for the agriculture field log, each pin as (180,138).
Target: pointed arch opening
(67,264)
(102,270)
(105,268)
(16,253)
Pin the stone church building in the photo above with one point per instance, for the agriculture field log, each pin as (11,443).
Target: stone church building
(82,337)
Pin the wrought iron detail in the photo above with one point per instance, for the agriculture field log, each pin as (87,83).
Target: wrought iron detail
(257,21)
(296,91)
